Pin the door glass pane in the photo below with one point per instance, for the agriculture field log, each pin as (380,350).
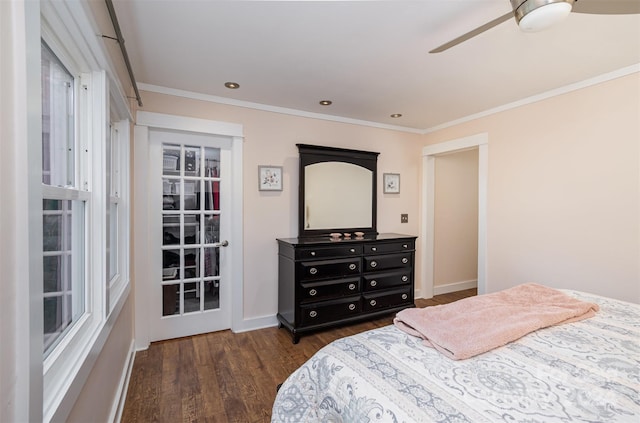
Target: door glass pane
(212,228)
(192,161)
(191,263)
(171,159)
(191,228)
(170,229)
(170,299)
(211,162)
(192,195)
(211,258)
(211,195)
(170,264)
(211,295)
(170,194)
(192,297)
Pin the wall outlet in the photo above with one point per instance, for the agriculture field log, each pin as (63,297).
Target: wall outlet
(404,218)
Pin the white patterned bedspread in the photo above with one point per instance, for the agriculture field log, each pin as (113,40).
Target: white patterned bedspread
(587,371)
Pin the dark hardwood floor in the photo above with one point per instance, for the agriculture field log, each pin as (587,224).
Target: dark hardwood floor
(227,377)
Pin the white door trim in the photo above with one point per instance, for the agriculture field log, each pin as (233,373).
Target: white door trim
(429,154)
(145,121)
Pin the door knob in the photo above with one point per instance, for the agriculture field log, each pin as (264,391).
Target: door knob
(221,244)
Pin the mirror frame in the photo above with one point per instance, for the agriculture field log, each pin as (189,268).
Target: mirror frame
(312,154)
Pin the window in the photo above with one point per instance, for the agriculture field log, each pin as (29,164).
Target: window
(113,199)
(116,208)
(63,206)
(81,259)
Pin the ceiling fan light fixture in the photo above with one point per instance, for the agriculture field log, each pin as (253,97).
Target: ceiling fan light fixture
(536,15)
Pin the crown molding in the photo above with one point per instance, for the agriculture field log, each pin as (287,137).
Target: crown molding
(301,113)
(539,97)
(269,108)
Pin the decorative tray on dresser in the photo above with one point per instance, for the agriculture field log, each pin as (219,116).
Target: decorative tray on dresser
(324,282)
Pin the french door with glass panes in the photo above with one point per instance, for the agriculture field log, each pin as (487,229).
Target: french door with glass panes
(189,174)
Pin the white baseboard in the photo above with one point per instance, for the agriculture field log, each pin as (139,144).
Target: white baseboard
(453,287)
(123,386)
(256,323)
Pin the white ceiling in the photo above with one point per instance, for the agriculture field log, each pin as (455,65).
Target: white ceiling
(369,57)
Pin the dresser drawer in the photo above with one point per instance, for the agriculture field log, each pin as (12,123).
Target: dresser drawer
(329,311)
(376,281)
(388,247)
(387,299)
(389,261)
(344,250)
(311,270)
(317,291)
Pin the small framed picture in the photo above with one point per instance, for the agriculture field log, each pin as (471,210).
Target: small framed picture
(270,178)
(391,183)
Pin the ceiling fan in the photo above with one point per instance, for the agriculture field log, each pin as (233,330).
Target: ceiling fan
(535,15)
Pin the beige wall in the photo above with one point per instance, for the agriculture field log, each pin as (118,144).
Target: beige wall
(456,218)
(564,190)
(100,392)
(563,195)
(270,139)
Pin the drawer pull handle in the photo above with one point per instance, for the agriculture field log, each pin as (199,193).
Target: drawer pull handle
(313,270)
(374,264)
(313,253)
(352,250)
(374,249)
(405,296)
(352,306)
(313,313)
(352,286)
(405,278)
(313,292)
(373,283)
(405,260)
(352,266)
(405,245)
(372,302)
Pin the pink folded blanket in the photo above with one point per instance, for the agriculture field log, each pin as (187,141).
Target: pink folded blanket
(474,325)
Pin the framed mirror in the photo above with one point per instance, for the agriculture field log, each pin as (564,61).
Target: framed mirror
(337,191)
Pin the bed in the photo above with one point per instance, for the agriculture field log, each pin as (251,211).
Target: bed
(586,371)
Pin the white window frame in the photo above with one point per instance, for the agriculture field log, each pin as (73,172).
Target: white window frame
(79,189)
(118,284)
(63,361)
(69,31)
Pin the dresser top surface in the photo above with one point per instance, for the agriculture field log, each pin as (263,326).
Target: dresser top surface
(329,241)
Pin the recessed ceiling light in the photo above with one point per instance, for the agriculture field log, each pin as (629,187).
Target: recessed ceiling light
(325,102)
(396,115)
(232,85)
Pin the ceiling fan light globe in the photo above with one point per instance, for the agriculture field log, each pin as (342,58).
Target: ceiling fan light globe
(536,15)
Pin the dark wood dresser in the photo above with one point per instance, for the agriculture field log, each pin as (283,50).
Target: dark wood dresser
(324,282)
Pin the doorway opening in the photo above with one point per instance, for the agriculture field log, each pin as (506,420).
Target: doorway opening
(429,153)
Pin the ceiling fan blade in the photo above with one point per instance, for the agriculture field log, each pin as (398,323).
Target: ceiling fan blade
(473,33)
(607,7)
